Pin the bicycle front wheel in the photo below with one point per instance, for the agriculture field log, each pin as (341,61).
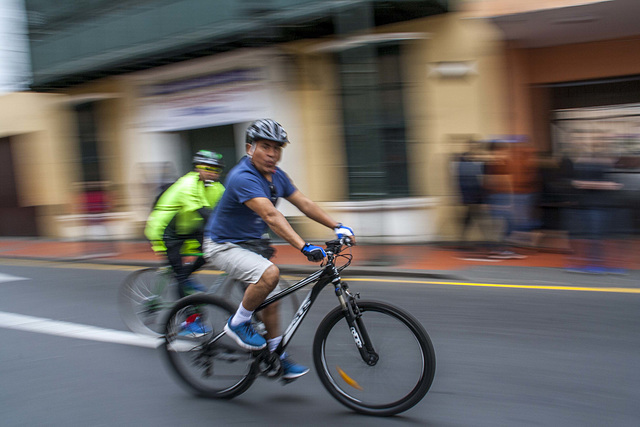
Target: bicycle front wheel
(143,299)
(206,361)
(396,381)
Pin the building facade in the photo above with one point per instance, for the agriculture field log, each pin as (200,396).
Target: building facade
(376,96)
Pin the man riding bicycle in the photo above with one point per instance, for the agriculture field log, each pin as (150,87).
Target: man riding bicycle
(176,223)
(233,235)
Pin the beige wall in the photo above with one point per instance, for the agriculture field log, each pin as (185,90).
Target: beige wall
(457,108)
(40,129)
(43,131)
(316,94)
(39,126)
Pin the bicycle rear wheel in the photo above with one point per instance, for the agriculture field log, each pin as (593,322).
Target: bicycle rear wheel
(400,377)
(143,299)
(211,365)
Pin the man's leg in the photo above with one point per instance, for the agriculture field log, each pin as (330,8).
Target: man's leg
(239,325)
(200,261)
(175,260)
(246,265)
(253,297)
(257,293)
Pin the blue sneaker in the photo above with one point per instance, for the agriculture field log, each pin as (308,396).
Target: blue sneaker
(291,370)
(595,269)
(193,327)
(245,336)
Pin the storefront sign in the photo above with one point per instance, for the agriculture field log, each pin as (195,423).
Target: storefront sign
(229,96)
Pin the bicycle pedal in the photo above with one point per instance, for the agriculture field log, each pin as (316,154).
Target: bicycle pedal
(270,365)
(286,381)
(271,370)
(273,373)
(260,328)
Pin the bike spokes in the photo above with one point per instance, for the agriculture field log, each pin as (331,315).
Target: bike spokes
(144,298)
(391,375)
(203,357)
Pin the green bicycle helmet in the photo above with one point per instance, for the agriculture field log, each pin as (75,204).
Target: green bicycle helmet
(209,158)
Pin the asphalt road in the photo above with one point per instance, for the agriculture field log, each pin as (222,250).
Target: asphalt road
(507,356)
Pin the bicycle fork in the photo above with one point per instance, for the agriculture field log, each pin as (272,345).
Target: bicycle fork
(353,316)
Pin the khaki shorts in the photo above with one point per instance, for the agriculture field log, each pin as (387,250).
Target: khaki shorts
(238,262)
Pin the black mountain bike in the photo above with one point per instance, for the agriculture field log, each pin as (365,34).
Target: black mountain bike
(371,356)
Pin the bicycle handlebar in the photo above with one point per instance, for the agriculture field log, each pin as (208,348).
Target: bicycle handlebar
(335,246)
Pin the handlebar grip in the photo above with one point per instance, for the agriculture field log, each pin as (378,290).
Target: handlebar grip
(347,241)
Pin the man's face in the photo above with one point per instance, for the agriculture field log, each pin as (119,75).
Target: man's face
(209,173)
(265,155)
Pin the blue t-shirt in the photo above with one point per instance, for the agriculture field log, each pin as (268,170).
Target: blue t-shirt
(232,220)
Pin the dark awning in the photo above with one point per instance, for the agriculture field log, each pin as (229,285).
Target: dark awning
(75,42)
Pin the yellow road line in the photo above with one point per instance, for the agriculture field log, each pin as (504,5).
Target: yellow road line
(497,285)
(91,266)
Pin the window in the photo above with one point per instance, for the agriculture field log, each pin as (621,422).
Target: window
(374,122)
(88,140)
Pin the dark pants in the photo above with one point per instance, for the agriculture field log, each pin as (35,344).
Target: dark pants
(587,227)
(181,271)
(473,212)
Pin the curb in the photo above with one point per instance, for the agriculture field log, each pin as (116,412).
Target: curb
(284,268)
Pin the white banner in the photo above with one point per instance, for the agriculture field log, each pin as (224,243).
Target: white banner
(231,96)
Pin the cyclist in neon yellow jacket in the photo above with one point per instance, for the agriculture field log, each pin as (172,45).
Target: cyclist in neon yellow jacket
(176,223)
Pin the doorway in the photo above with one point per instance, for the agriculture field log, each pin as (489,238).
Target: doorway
(15,220)
(220,139)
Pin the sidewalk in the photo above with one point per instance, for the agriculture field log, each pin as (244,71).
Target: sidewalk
(430,261)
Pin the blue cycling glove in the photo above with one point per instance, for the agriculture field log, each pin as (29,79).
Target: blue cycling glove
(313,253)
(343,231)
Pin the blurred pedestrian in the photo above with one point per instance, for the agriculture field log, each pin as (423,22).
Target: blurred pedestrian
(620,229)
(498,183)
(591,217)
(469,170)
(526,193)
(551,204)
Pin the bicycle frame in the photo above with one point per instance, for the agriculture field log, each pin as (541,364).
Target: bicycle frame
(326,275)
(321,279)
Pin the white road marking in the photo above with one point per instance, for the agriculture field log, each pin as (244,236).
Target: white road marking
(10,278)
(75,330)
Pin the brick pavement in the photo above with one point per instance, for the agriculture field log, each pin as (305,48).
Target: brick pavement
(407,257)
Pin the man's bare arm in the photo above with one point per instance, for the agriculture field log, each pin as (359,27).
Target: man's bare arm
(311,209)
(275,220)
